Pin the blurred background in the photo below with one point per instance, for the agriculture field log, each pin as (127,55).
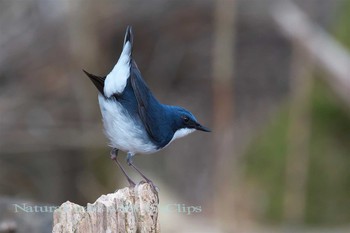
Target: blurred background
(270,78)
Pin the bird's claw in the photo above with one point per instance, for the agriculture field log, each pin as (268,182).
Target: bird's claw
(155,188)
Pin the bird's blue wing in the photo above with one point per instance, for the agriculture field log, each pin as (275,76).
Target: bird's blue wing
(148,106)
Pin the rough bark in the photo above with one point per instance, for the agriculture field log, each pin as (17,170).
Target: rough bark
(126,210)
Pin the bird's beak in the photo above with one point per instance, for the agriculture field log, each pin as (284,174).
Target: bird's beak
(202,128)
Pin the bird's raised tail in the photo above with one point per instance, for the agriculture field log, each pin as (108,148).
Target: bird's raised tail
(97,81)
(129,37)
(116,80)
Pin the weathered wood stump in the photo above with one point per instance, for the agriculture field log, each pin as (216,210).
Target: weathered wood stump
(126,210)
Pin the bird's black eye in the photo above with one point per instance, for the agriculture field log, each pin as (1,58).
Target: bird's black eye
(186,119)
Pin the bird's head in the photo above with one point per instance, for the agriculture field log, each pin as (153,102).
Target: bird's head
(184,122)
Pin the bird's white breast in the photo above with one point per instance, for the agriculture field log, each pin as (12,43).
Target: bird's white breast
(180,133)
(123,132)
(116,80)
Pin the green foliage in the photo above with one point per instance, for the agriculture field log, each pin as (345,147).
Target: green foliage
(342,26)
(329,190)
(266,165)
(328,187)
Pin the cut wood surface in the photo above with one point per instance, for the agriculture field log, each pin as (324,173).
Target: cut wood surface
(126,210)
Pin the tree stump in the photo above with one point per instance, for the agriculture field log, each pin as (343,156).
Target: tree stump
(127,210)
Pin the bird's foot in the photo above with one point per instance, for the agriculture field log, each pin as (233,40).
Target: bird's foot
(131,183)
(150,182)
(154,188)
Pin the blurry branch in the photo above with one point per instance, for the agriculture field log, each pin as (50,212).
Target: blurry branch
(46,139)
(83,48)
(20,30)
(312,47)
(126,210)
(159,58)
(223,63)
(329,55)
(297,159)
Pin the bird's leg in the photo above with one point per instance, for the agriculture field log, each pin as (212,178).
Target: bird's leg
(114,154)
(130,163)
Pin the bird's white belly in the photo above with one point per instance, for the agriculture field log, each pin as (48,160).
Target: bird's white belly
(122,130)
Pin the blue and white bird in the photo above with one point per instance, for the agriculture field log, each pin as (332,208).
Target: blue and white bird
(134,120)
